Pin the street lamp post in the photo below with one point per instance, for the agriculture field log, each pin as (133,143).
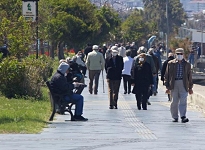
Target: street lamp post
(167,35)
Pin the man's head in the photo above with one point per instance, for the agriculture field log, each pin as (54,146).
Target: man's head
(128,52)
(95,47)
(104,44)
(141,49)
(80,54)
(180,53)
(114,50)
(63,67)
(150,51)
(170,55)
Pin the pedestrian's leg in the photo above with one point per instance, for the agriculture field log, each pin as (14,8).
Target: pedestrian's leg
(116,87)
(129,84)
(97,75)
(175,100)
(91,77)
(110,92)
(125,83)
(183,100)
(154,91)
(78,100)
(145,94)
(84,70)
(138,99)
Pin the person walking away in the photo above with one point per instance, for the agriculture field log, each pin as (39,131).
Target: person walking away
(126,72)
(178,82)
(191,55)
(155,76)
(59,85)
(87,50)
(113,67)
(164,66)
(104,49)
(95,63)
(157,53)
(121,50)
(142,80)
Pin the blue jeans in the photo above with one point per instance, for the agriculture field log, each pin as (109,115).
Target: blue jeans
(78,100)
(154,88)
(191,59)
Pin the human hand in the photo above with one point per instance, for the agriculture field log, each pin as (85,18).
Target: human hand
(190,91)
(77,84)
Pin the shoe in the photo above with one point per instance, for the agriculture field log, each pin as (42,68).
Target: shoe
(148,103)
(90,92)
(111,107)
(155,93)
(80,118)
(95,93)
(129,92)
(175,120)
(115,107)
(144,108)
(125,92)
(184,119)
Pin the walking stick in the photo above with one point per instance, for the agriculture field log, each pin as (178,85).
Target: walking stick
(103,82)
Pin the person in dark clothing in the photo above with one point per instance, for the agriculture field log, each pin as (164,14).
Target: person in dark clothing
(141,79)
(155,77)
(164,66)
(87,50)
(59,85)
(104,49)
(113,67)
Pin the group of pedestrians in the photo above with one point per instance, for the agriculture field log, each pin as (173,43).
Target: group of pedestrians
(141,72)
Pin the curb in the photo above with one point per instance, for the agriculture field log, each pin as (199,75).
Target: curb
(196,98)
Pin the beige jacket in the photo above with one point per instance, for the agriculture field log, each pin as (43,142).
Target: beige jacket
(170,75)
(95,61)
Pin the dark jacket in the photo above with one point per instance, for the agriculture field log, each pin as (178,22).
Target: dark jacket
(87,50)
(114,71)
(59,84)
(141,76)
(165,66)
(156,62)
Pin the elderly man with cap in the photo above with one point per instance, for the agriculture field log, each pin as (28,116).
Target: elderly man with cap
(95,62)
(178,81)
(113,67)
(59,85)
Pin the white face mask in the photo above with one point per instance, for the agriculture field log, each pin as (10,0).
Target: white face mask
(114,54)
(141,59)
(179,57)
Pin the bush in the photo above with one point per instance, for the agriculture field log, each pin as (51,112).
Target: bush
(24,78)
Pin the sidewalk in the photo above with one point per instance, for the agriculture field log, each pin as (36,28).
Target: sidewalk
(124,128)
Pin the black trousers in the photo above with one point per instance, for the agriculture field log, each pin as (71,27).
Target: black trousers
(141,98)
(127,83)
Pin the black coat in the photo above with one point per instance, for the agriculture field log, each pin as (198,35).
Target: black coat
(114,71)
(141,76)
(59,84)
(165,66)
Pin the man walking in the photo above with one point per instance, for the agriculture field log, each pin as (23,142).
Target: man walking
(95,63)
(113,67)
(178,81)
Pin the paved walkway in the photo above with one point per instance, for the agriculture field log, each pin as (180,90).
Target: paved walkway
(124,128)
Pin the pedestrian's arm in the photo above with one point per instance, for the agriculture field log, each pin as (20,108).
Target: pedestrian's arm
(152,65)
(102,60)
(166,76)
(87,62)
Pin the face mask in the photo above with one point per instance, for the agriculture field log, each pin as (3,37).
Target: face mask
(80,55)
(141,59)
(179,57)
(114,54)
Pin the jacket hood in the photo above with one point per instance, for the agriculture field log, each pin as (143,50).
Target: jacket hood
(63,67)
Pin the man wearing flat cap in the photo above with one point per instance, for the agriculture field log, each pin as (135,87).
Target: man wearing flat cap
(95,63)
(113,67)
(178,81)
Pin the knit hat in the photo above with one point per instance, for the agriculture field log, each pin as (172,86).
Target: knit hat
(63,67)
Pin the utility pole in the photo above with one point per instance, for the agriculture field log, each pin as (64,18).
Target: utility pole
(167,35)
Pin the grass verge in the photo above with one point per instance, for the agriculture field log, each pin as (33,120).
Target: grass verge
(24,116)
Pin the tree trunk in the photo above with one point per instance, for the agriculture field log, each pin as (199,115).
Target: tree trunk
(61,51)
(52,49)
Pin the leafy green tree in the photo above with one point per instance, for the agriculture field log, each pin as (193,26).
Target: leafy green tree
(155,10)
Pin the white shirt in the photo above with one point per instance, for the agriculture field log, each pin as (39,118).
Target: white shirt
(127,65)
(122,51)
